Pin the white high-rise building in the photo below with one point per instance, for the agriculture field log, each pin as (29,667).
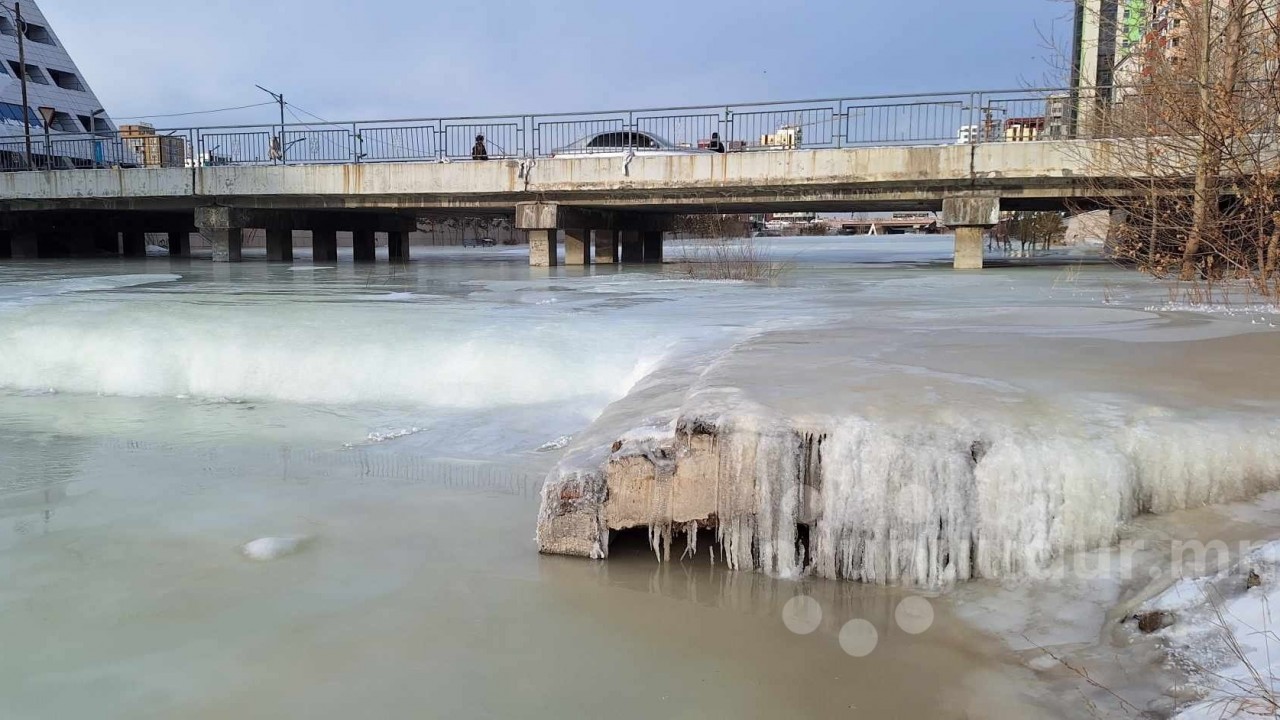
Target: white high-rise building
(55,83)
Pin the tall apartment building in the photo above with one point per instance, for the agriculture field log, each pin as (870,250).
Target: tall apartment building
(1111,47)
(54,83)
(1107,35)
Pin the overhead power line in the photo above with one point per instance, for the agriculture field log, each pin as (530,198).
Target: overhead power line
(195,112)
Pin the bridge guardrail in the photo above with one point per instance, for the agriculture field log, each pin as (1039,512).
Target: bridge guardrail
(916,119)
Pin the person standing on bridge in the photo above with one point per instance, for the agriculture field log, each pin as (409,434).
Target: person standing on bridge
(715,145)
(479,152)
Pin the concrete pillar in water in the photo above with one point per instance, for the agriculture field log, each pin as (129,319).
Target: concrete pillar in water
(280,244)
(106,241)
(542,222)
(364,246)
(969,248)
(969,217)
(179,243)
(632,246)
(577,247)
(25,245)
(223,228)
(398,246)
(542,248)
(226,242)
(6,244)
(606,247)
(324,245)
(135,244)
(653,246)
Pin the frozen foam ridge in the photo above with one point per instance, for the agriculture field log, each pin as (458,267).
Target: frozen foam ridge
(353,355)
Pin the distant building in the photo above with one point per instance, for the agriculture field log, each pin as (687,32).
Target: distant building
(152,150)
(1057,117)
(53,81)
(968,134)
(788,137)
(1023,129)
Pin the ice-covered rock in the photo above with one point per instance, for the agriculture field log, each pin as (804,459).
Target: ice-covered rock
(272,548)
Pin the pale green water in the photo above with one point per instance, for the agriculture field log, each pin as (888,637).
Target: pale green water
(202,411)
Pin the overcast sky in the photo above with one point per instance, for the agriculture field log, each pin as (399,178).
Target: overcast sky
(422,58)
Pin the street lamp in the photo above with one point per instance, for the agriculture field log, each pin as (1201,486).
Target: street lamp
(278,144)
(21,28)
(93,120)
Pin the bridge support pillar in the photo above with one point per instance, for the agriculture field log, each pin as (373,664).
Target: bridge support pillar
(6,244)
(364,246)
(280,244)
(135,244)
(577,247)
(542,248)
(969,247)
(179,243)
(398,246)
(632,246)
(653,246)
(324,245)
(606,247)
(223,227)
(227,243)
(106,241)
(25,245)
(970,217)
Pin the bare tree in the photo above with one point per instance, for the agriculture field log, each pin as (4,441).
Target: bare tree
(1193,143)
(719,247)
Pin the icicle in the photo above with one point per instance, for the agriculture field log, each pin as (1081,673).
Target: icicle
(691,539)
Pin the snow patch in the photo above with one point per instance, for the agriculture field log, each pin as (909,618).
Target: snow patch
(1223,636)
(272,548)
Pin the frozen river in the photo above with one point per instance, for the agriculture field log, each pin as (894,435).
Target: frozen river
(397,423)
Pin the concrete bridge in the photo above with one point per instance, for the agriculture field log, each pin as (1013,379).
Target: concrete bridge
(612,208)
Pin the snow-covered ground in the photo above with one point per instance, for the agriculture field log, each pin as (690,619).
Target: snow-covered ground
(1220,631)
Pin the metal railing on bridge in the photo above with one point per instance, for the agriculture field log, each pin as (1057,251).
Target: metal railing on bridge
(885,120)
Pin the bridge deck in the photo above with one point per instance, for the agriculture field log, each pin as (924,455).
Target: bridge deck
(868,178)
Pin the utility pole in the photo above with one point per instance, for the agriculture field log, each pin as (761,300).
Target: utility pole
(22,75)
(279,98)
